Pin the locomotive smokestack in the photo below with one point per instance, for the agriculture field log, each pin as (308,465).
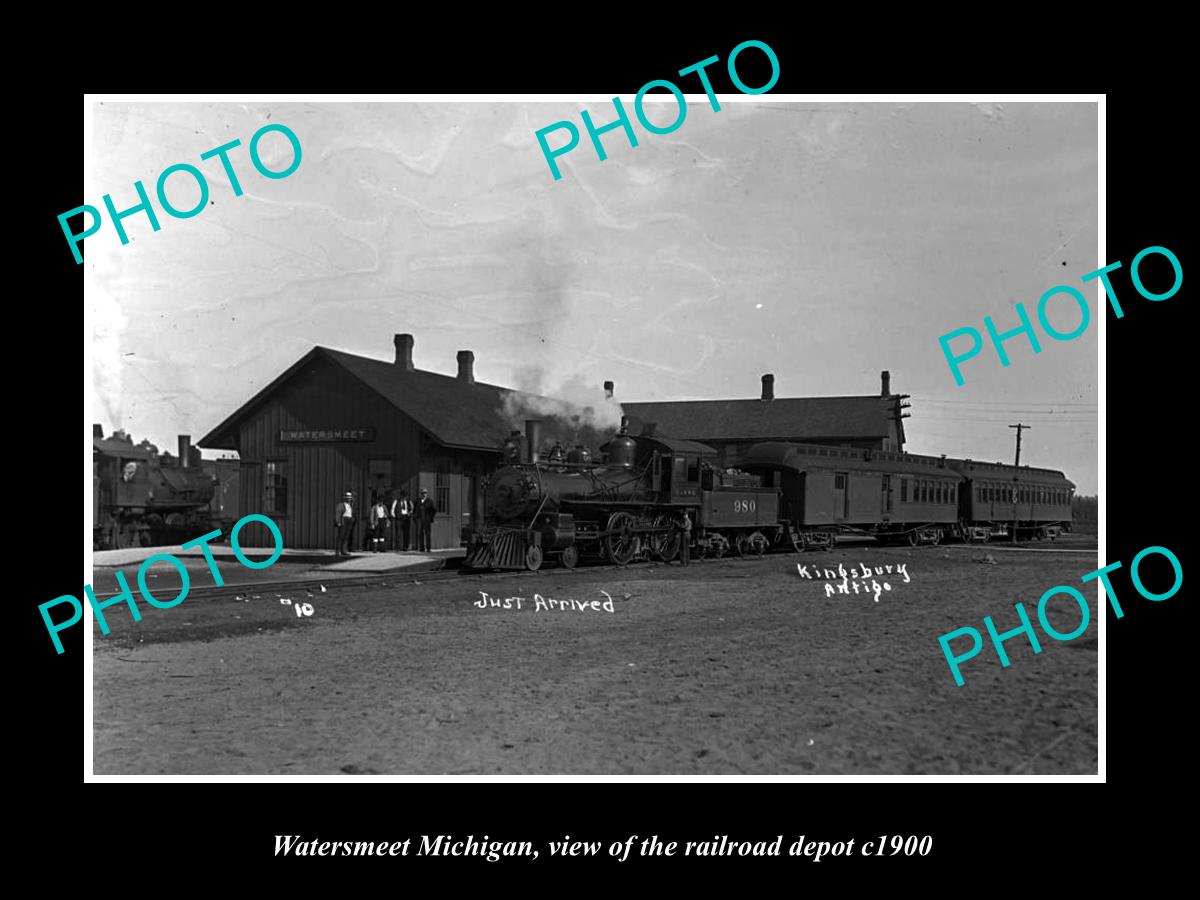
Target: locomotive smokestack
(885,378)
(533,439)
(608,390)
(404,347)
(466,366)
(768,392)
(185,450)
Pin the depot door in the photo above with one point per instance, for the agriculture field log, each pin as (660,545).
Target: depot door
(450,487)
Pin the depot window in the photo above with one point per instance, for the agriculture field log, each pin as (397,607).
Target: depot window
(275,488)
(442,488)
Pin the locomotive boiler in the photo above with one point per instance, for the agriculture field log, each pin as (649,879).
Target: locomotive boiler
(141,498)
(622,508)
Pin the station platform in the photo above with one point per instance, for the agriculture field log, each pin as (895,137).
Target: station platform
(408,560)
(325,560)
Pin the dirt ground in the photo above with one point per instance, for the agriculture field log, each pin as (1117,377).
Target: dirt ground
(737,666)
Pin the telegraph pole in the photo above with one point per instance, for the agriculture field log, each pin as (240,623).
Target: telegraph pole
(1019,428)
(898,415)
(1016,485)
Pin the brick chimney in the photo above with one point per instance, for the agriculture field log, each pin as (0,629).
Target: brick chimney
(466,366)
(885,378)
(768,382)
(608,390)
(404,345)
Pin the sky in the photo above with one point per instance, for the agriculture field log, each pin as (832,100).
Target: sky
(820,242)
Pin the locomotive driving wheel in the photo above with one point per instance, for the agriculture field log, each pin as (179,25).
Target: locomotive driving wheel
(533,557)
(665,544)
(569,557)
(620,544)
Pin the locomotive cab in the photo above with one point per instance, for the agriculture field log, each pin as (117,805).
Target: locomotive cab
(675,467)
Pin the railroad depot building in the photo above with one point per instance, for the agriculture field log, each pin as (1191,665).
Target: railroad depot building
(731,427)
(337,422)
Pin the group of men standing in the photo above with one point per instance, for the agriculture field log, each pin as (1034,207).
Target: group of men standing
(391,524)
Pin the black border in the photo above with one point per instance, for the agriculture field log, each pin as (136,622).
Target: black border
(1147,412)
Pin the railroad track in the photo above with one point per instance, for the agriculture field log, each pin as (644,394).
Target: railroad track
(389,579)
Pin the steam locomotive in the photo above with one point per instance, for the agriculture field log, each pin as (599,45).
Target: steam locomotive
(141,498)
(623,508)
(619,510)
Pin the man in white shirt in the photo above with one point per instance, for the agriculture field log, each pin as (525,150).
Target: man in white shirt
(380,521)
(402,511)
(343,521)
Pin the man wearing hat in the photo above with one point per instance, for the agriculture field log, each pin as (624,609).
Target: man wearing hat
(426,510)
(402,513)
(343,521)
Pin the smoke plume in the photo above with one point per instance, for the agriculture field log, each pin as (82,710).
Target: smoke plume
(577,413)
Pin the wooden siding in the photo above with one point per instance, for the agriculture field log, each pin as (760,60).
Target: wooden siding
(318,474)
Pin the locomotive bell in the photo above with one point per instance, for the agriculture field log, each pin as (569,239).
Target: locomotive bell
(579,455)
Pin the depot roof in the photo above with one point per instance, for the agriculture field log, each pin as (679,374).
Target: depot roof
(455,412)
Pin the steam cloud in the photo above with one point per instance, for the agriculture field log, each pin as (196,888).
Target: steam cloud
(577,413)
